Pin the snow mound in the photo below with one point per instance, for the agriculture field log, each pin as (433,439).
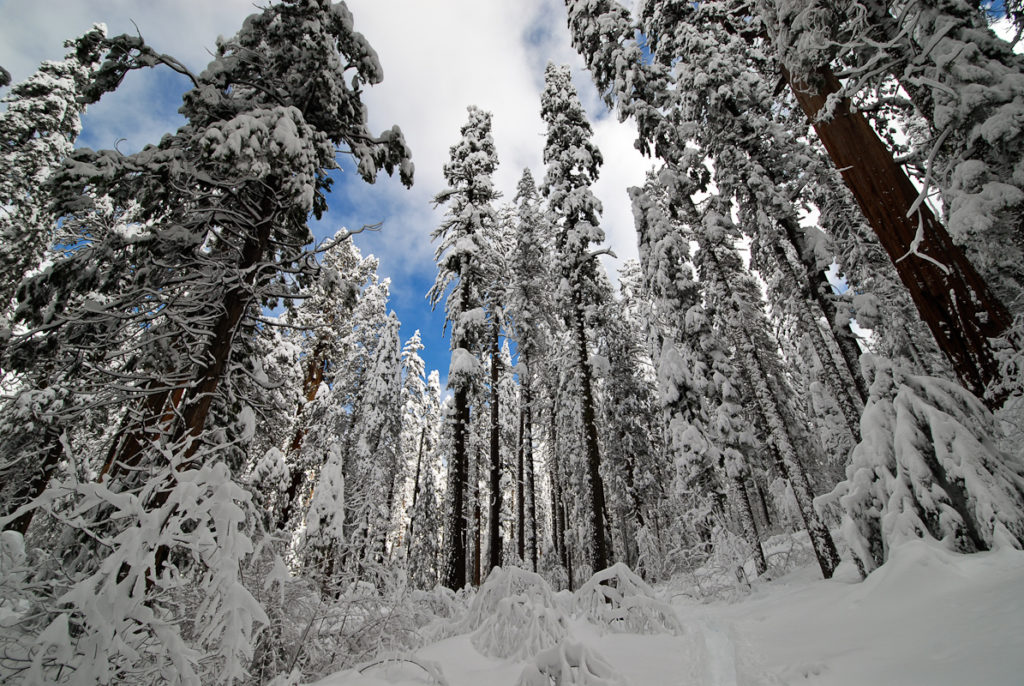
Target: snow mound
(619,599)
(514,615)
(569,664)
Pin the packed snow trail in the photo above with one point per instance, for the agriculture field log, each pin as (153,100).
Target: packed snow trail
(927,616)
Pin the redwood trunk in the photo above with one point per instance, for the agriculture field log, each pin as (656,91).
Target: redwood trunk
(950,295)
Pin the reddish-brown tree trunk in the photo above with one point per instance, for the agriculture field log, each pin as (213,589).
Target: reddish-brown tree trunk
(950,295)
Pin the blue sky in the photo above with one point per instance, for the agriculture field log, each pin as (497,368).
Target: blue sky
(438,57)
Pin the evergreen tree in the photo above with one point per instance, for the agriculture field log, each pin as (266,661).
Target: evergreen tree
(927,466)
(425,520)
(158,319)
(938,278)
(529,311)
(573,162)
(470,212)
(38,129)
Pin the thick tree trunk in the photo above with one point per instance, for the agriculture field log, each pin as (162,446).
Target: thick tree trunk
(458,476)
(951,297)
(749,527)
(598,546)
(521,488)
(494,502)
(311,380)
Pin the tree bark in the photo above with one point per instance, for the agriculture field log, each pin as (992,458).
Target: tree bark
(455,550)
(415,489)
(950,295)
(521,488)
(749,527)
(494,503)
(598,546)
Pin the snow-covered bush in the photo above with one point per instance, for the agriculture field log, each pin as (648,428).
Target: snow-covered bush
(927,465)
(504,583)
(618,598)
(569,664)
(520,628)
(513,615)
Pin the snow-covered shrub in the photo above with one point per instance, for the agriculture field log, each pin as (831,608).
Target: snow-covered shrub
(505,583)
(927,465)
(618,598)
(569,664)
(520,628)
(440,602)
(513,615)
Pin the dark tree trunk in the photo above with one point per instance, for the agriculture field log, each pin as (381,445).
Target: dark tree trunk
(764,506)
(521,488)
(951,297)
(415,489)
(494,503)
(749,527)
(311,380)
(477,538)
(598,547)
(458,476)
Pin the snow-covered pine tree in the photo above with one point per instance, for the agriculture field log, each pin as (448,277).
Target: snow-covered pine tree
(469,199)
(423,551)
(627,402)
(958,82)
(735,298)
(643,88)
(495,269)
(529,311)
(573,162)
(927,465)
(342,424)
(38,129)
(939,276)
(697,380)
(162,311)
(322,328)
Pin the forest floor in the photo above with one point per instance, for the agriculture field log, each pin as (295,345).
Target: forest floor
(926,617)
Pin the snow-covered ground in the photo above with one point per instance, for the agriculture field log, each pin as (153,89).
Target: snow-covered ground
(927,617)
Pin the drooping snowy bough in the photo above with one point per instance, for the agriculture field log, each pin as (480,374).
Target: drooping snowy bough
(621,600)
(927,465)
